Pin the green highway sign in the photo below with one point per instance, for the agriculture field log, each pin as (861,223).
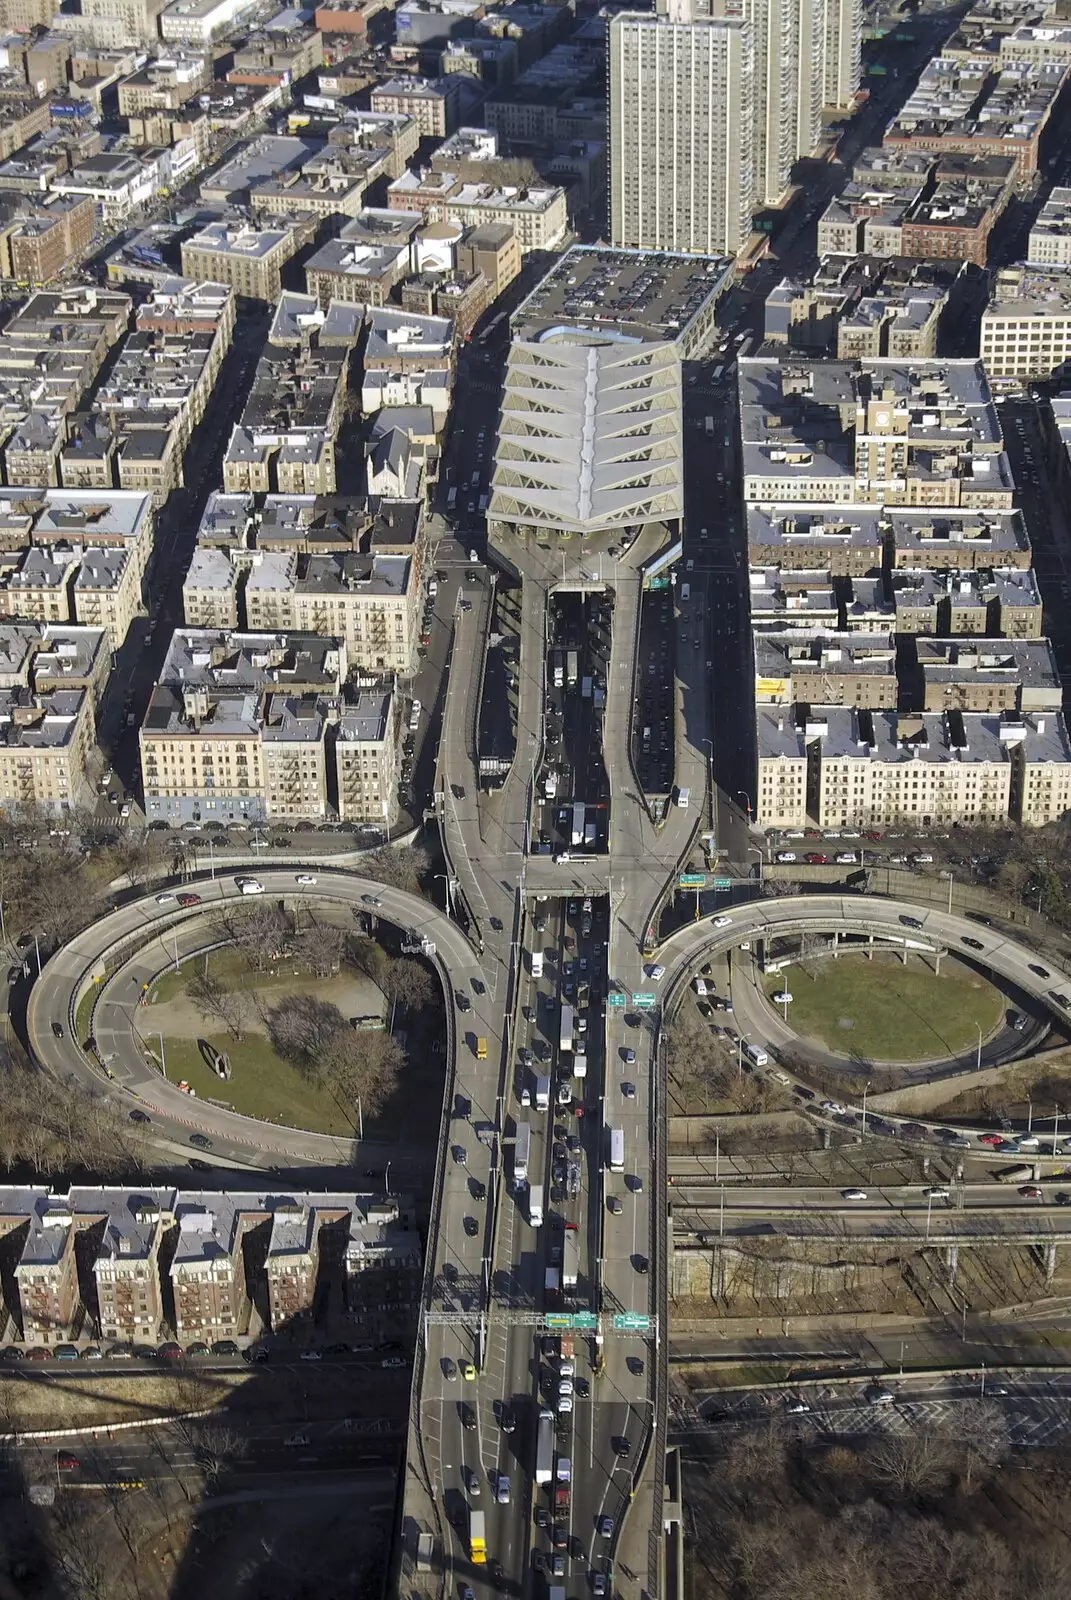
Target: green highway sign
(571,1319)
(693,880)
(643,999)
(632,1322)
(657,583)
(585,1319)
(723,883)
(615,999)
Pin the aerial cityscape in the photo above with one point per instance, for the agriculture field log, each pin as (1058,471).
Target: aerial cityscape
(535,799)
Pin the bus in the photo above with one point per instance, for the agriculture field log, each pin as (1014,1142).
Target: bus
(573,669)
(544,1468)
(617,1150)
(451,499)
(565,1035)
(522,1151)
(710,423)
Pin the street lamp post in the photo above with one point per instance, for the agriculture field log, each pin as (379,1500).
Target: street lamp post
(740,1052)
(747,803)
(360,1119)
(866,1091)
(756,850)
(1029,1110)
(978,1053)
(386,1181)
(1055,1129)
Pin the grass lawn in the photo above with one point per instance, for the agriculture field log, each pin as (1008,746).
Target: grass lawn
(229,966)
(262,1085)
(883,1011)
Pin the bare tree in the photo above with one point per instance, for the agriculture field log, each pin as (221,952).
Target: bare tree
(909,1464)
(410,983)
(215,1000)
(980,1428)
(319,945)
(261,931)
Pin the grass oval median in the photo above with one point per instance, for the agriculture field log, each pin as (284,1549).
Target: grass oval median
(883,1011)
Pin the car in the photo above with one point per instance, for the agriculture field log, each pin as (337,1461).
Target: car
(312,1355)
(613,1205)
(65,1462)
(371,900)
(306,879)
(1041,972)
(935,1192)
(472,1227)
(560,1537)
(785,857)
(165,899)
(599,1583)
(911,922)
(57,1029)
(642,1265)
(1029,1141)
(502,1490)
(201,1140)
(606,1527)
(853,1194)
(459,1155)
(138,1116)
(393,1363)
(796,1407)
(465,1592)
(814,858)
(622,1446)
(1062,1198)
(188,900)
(468,1371)
(92,1352)
(973,944)
(198,1348)
(782,997)
(628,1091)
(170,1351)
(12,1354)
(878,1395)
(994,1139)
(507,1419)
(1030,1191)
(39,1354)
(722,922)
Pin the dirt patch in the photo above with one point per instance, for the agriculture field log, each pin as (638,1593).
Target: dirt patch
(30,1401)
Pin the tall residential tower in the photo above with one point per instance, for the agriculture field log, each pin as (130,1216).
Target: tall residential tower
(711,104)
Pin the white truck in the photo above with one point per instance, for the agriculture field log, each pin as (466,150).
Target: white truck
(580,1065)
(535,1205)
(537,963)
(542,1094)
(522,1152)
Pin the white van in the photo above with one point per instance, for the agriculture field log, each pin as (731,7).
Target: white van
(250,886)
(683,797)
(537,963)
(757,1054)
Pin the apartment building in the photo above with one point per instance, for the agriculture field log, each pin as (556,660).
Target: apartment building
(118,183)
(41,235)
(876,432)
(1026,327)
(366,758)
(284,441)
(408,361)
(826,668)
(207,1271)
(371,255)
(236,728)
(42,1231)
(371,602)
(682,130)
(986,675)
(91,1263)
(210,591)
(1049,243)
(164,84)
(904,327)
(248,258)
(838,540)
(976,107)
(434,104)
